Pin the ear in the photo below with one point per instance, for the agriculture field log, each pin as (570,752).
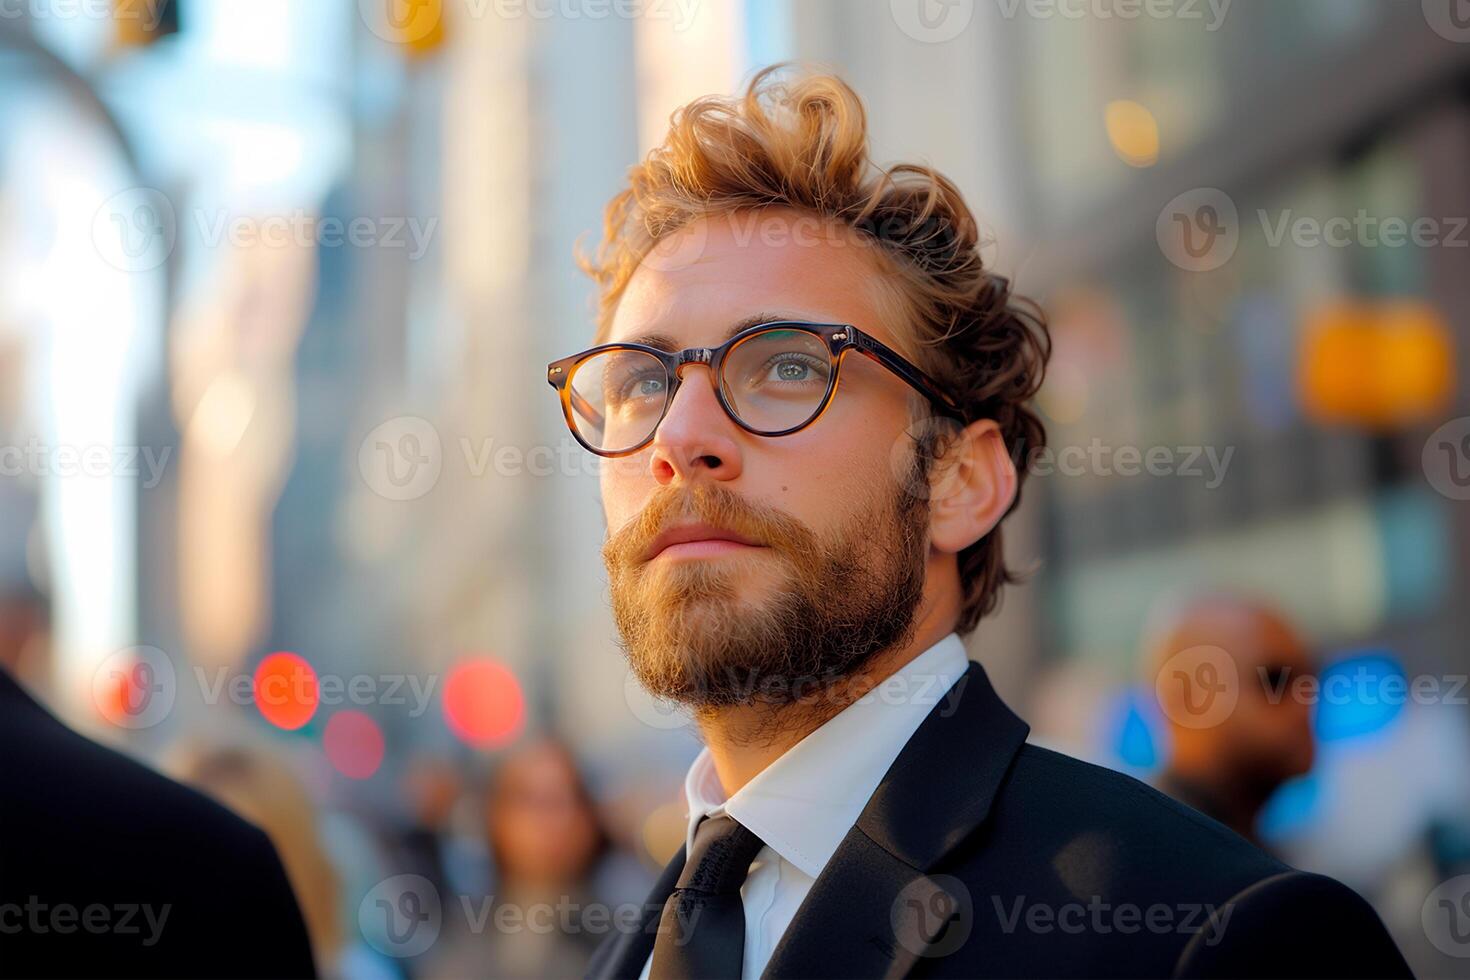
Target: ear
(971,486)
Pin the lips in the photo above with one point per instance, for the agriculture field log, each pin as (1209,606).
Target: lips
(693,532)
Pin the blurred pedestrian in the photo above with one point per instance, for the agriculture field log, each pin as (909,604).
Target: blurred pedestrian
(1228,764)
(546,841)
(109,869)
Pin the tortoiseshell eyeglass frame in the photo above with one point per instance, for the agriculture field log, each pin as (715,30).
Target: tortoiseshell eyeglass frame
(839,338)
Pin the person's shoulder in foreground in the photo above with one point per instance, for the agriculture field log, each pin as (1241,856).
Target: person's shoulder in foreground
(1132,860)
(110,869)
(1044,865)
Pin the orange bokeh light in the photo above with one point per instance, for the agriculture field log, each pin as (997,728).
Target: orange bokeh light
(1377,364)
(483,704)
(285,688)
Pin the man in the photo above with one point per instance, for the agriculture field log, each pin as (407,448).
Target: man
(1224,764)
(809,393)
(108,869)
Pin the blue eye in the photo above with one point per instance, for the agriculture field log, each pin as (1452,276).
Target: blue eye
(792,371)
(637,386)
(795,368)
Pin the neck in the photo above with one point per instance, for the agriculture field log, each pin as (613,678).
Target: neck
(743,740)
(1232,800)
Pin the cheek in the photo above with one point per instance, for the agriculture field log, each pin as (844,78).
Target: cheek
(824,483)
(624,484)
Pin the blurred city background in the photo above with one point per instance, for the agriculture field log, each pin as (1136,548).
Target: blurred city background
(279,280)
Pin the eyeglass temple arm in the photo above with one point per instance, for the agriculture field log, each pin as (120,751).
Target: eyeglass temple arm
(585,408)
(915,378)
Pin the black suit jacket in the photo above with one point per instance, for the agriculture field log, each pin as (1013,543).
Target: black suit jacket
(108,869)
(982,856)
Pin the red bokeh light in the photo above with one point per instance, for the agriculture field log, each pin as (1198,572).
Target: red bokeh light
(483,704)
(285,690)
(354,744)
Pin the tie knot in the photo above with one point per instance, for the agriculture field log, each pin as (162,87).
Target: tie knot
(723,850)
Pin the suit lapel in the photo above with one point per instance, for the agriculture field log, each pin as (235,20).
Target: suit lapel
(876,909)
(626,952)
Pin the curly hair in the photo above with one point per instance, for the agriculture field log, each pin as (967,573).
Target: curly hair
(801,142)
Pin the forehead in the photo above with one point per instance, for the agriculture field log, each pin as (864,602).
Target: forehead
(726,270)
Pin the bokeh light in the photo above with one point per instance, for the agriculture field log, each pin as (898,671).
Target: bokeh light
(1362,693)
(285,688)
(483,704)
(354,744)
(1133,132)
(1377,364)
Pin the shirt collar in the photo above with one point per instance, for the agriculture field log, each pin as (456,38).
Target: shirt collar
(804,803)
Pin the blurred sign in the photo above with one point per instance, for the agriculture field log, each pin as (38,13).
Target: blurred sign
(141,22)
(1378,364)
(417,25)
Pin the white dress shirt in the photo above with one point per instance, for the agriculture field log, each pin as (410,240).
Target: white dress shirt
(804,803)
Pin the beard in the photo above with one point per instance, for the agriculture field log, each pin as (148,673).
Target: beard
(822,605)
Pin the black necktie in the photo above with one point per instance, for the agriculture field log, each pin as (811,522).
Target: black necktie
(702,933)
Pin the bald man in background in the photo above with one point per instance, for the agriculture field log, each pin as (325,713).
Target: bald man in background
(1225,669)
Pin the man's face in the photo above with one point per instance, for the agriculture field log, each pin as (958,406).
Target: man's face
(832,565)
(1270,731)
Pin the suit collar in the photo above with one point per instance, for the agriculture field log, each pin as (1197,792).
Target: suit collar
(866,914)
(954,764)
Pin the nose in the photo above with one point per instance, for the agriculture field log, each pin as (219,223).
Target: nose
(696,436)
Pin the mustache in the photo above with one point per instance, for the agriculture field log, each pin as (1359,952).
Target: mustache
(710,504)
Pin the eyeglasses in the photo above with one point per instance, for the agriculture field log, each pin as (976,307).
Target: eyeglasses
(772,379)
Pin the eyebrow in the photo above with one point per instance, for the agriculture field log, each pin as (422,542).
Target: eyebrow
(666,343)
